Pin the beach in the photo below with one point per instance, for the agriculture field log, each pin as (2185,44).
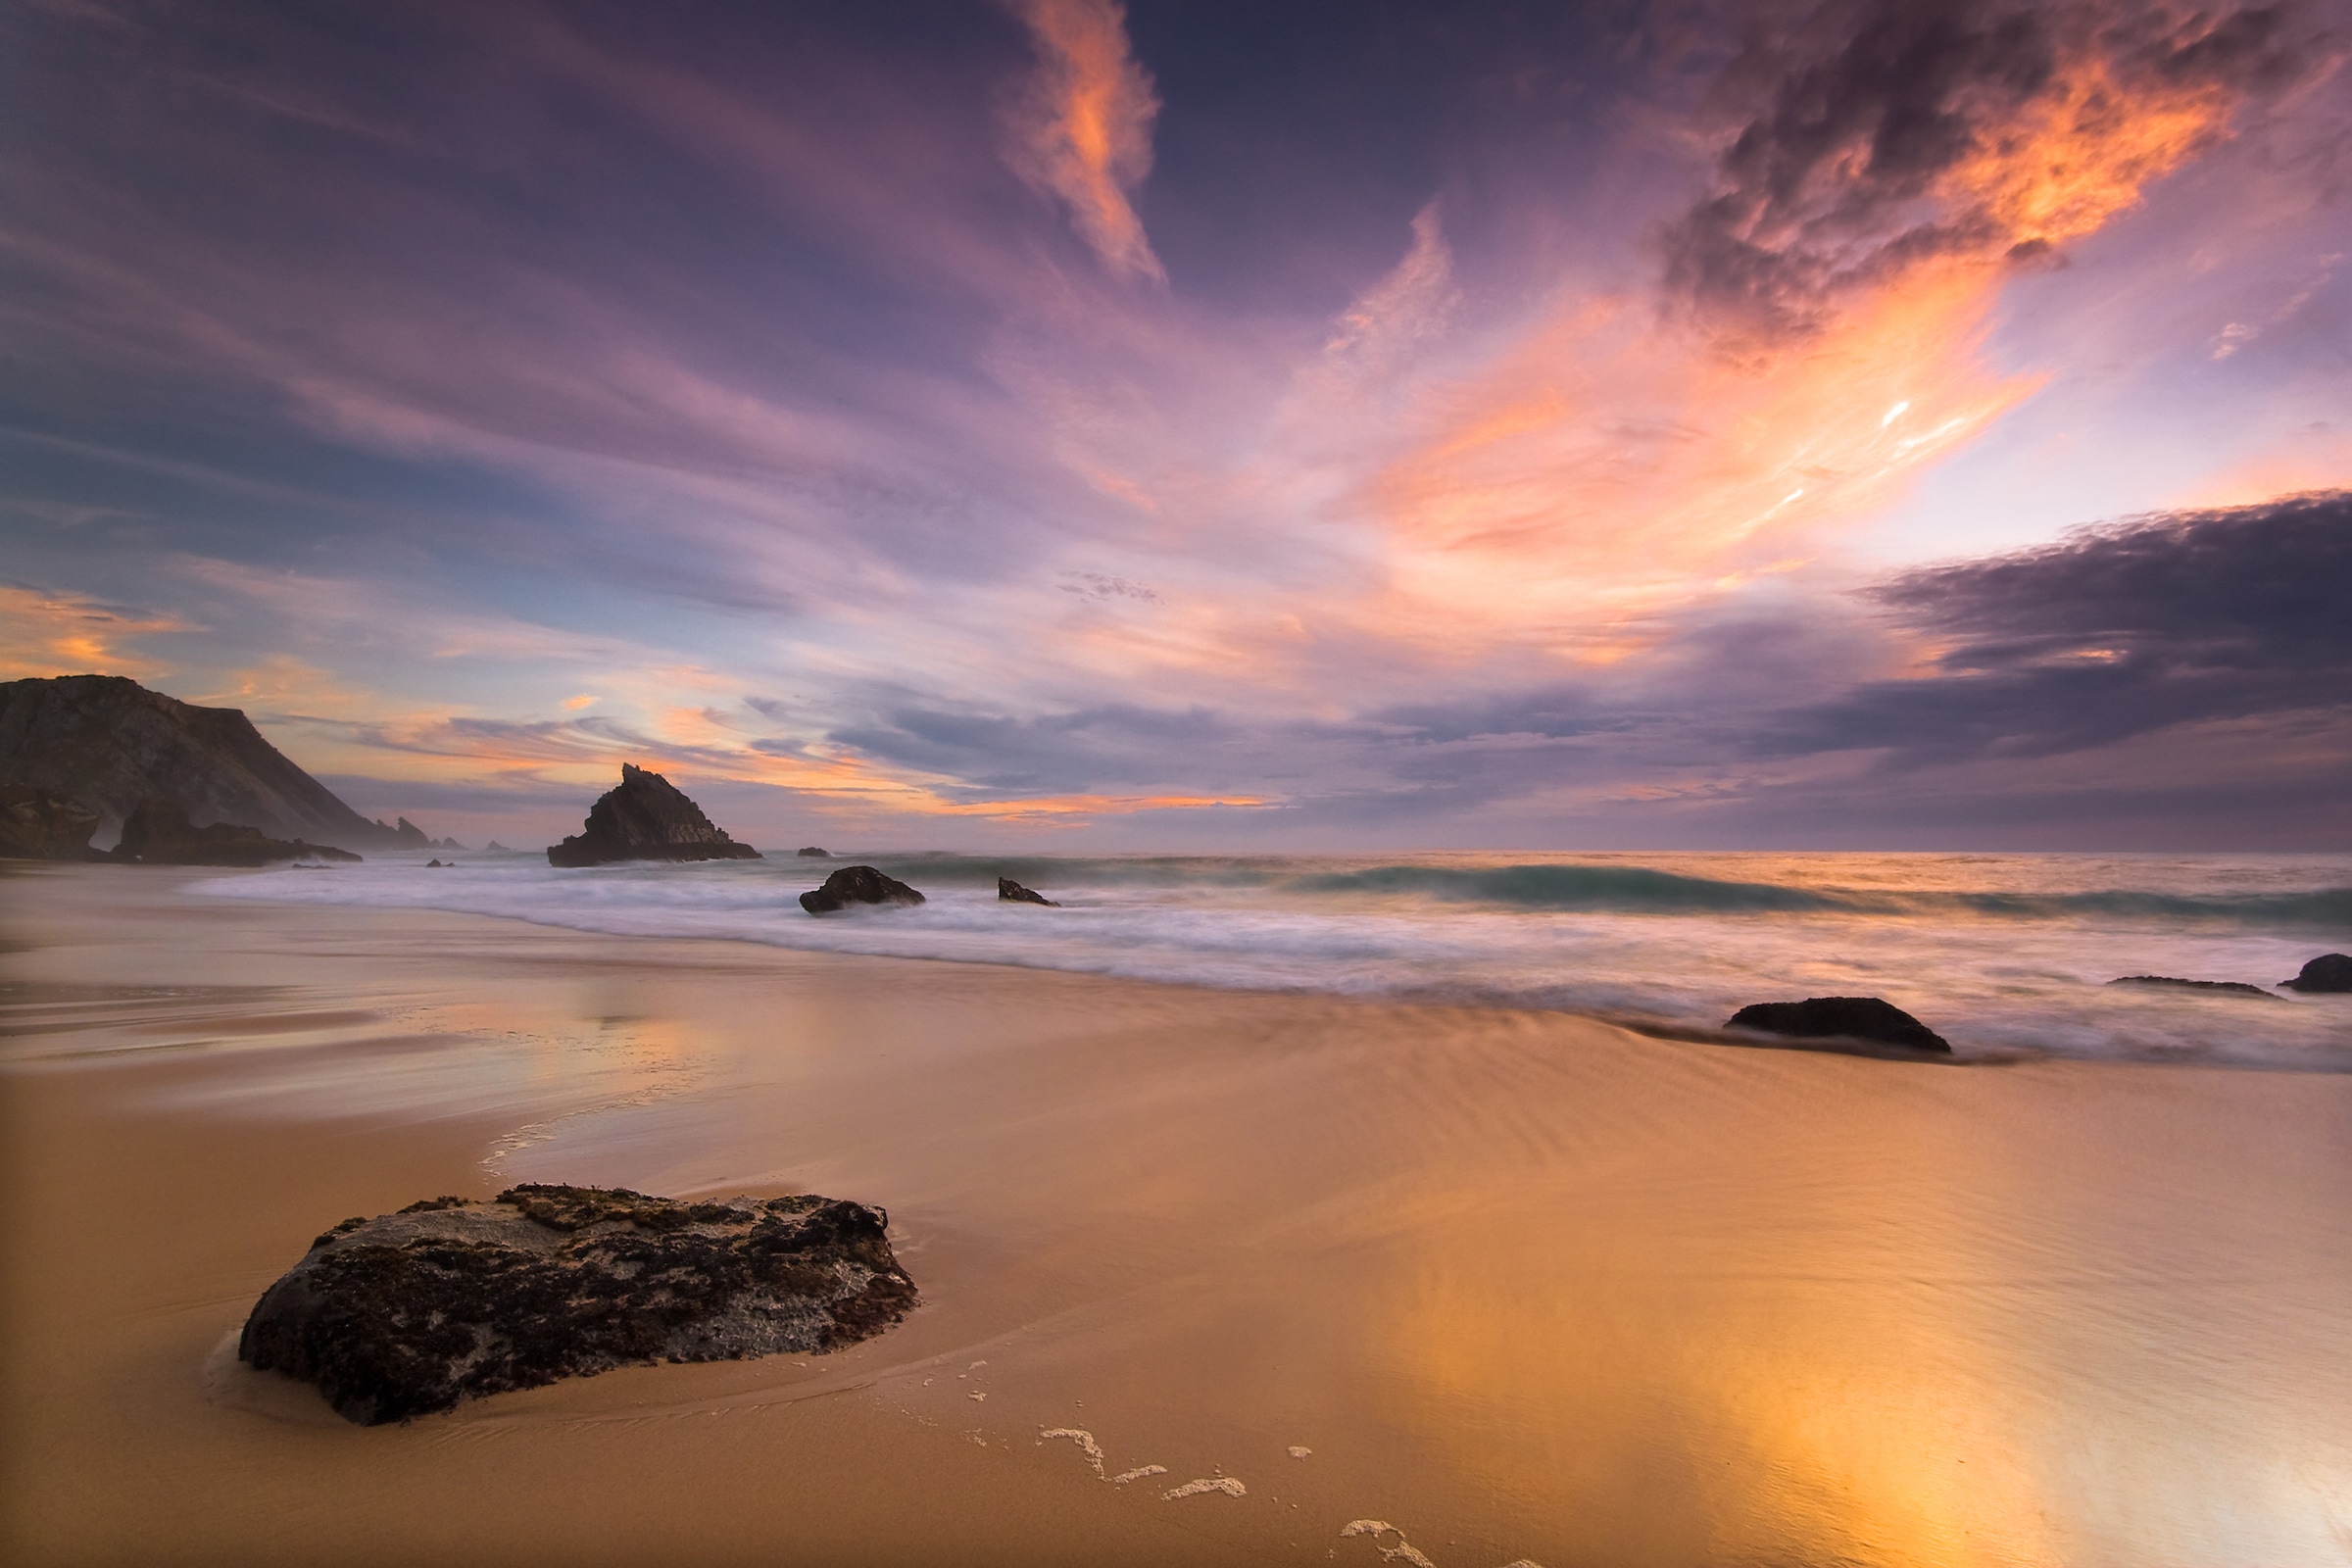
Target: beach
(1513,1285)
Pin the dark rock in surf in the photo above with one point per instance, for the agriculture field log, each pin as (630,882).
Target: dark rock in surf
(159,833)
(1864,1018)
(2330,972)
(858,884)
(2234,987)
(448,1299)
(35,826)
(809,852)
(646,817)
(1011,892)
(437,865)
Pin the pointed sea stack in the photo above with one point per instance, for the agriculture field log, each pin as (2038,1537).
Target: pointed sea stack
(646,818)
(1011,892)
(858,884)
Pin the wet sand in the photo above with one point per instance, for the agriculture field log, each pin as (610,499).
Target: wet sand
(1527,1286)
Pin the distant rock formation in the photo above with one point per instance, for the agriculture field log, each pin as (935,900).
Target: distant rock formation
(109,746)
(2329,972)
(37,826)
(809,852)
(1839,1018)
(496,848)
(1011,892)
(858,884)
(407,1313)
(2239,987)
(159,833)
(646,818)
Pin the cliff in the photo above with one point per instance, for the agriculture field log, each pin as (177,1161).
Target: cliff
(111,746)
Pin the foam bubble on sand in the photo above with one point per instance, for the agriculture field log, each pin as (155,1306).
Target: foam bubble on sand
(1138,1474)
(1086,1446)
(1193,1489)
(976,1397)
(1296,1452)
(1402,1551)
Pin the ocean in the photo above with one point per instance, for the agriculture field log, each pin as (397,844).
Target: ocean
(2002,955)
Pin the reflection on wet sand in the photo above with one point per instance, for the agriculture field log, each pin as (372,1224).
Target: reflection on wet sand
(1517,1287)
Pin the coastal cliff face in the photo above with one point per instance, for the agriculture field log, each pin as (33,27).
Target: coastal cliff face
(646,817)
(34,826)
(111,746)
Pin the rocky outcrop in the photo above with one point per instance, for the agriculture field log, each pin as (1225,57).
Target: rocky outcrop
(449,1299)
(809,852)
(109,746)
(2329,972)
(2236,987)
(159,833)
(646,817)
(1864,1018)
(1011,892)
(858,884)
(35,826)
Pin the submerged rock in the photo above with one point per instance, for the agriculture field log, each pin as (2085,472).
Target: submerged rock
(2238,987)
(858,884)
(407,1313)
(809,852)
(2328,972)
(159,833)
(1839,1018)
(646,817)
(38,826)
(1011,892)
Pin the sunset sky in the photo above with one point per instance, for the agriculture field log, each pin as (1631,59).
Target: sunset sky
(1205,426)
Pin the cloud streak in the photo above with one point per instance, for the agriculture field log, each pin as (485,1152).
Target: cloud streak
(1083,126)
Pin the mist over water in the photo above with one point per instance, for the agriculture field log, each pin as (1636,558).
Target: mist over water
(1998,953)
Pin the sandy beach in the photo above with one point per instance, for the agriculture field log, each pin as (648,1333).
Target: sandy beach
(1518,1287)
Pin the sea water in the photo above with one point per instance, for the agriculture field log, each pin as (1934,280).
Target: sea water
(1999,953)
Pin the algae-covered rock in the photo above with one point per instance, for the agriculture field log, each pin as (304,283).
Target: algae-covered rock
(407,1313)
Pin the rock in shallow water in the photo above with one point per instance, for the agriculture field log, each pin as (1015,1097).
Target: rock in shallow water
(1011,892)
(646,817)
(858,884)
(407,1313)
(2327,973)
(2236,987)
(1839,1018)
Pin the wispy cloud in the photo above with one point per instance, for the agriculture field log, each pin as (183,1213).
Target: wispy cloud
(1083,127)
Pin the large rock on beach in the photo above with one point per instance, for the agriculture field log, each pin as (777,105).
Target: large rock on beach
(1864,1018)
(38,826)
(646,817)
(1011,892)
(858,884)
(159,833)
(448,1299)
(2329,972)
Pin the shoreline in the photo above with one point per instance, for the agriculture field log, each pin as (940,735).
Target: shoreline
(1528,1286)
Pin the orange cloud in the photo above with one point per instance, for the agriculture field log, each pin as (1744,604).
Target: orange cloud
(1084,131)
(68,634)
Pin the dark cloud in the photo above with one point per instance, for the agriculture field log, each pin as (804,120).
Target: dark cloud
(2113,633)
(1838,177)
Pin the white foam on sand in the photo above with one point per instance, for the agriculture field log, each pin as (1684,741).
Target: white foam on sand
(1298,1452)
(1138,1474)
(1402,1551)
(1193,1489)
(1086,1445)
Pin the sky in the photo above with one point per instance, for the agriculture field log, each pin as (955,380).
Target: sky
(1187,427)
